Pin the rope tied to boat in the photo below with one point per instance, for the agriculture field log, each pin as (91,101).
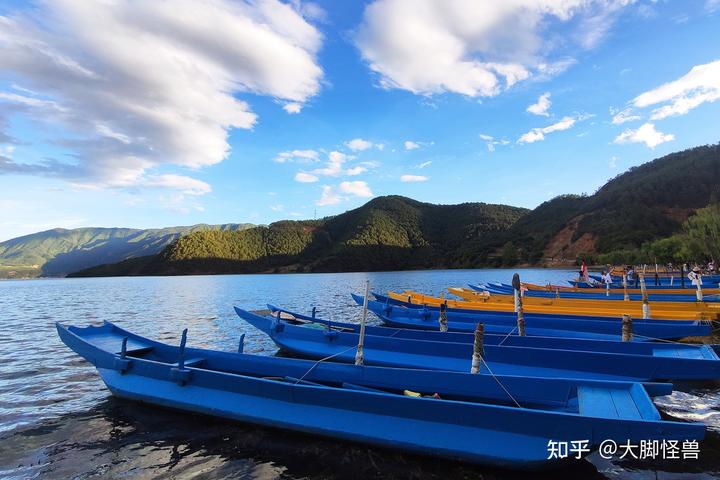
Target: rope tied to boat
(507,336)
(323,360)
(501,384)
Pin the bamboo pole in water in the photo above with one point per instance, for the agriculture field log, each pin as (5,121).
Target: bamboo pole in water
(359,355)
(645,301)
(443,317)
(627,330)
(478,348)
(626,296)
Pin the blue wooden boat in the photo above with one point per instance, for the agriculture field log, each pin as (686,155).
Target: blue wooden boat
(708,280)
(650,283)
(504,289)
(656,349)
(400,314)
(503,359)
(460,416)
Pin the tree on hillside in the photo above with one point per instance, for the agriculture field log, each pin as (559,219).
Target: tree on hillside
(702,232)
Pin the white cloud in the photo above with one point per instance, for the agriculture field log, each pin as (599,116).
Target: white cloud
(334,195)
(475,48)
(277,208)
(358,144)
(358,188)
(187,185)
(304,177)
(712,6)
(351,172)
(334,166)
(542,106)
(130,86)
(613,162)
(328,197)
(622,116)
(410,145)
(292,107)
(425,164)
(701,84)
(300,156)
(413,178)
(491,142)
(645,134)
(538,134)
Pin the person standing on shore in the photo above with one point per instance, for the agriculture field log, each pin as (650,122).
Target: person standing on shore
(606,277)
(584,272)
(695,277)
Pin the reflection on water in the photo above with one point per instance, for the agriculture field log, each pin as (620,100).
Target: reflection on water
(57,420)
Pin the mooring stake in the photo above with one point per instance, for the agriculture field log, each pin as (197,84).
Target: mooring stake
(443,317)
(183,341)
(627,328)
(359,355)
(241,344)
(478,348)
(645,301)
(626,296)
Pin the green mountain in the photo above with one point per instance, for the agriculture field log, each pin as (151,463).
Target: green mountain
(60,251)
(646,203)
(640,215)
(387,233)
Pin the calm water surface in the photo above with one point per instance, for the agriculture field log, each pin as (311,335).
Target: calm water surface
(58,421)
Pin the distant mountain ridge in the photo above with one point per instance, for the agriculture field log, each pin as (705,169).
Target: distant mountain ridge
(60,251)
(387,233)
(645,204)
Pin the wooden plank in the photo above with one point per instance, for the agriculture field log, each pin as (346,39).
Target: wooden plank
(596,402)
(625,404)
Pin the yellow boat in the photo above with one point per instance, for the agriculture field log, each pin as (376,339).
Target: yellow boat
(635,291)
(598,308)
(484,297)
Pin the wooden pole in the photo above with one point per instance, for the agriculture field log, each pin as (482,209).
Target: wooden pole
(359,356)
(682,275)
(516,290)
(181,355)
(443,317)
(627,329)
(520,319)
(478,348)
(645,302)
(626,296)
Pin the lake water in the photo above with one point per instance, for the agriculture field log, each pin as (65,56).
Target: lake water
(57,420)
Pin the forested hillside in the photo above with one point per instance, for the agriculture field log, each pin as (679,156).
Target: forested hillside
(644,204)
(60,251)
(387,233)
(646,214)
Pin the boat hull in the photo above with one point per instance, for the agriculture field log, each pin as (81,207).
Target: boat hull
(502,360)
(399,314)
(220,384)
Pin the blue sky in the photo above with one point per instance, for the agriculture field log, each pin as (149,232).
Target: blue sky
(148,114)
